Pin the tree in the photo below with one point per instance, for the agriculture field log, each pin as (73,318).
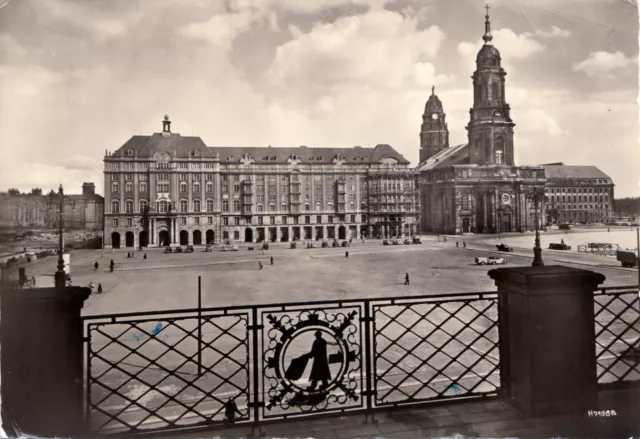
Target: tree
(36,191)
(13,191)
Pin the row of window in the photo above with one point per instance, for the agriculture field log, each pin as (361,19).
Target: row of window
(579,190)
(581,206)
(578,198)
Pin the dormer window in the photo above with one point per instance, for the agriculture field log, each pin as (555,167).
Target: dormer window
(130,152)
(196,153)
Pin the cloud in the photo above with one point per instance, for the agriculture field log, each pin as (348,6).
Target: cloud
(303,6)
(79,163)
(603,63)
(555,32)
(221,29)
(381,49)
(510,44)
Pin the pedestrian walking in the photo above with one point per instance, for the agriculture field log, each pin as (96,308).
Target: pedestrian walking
(111,265)
(445,239)
(230,410)
(271,260)
(128,255)
(96,265)
(608,229)
(99,288)
(259,265)
(346,254)
(464,244)
(145,256)
(406,279)
(457,244)
(33,280)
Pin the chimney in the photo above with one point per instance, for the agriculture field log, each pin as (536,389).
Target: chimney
(88,189)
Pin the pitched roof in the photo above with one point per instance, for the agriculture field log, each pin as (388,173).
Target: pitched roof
(174,144)
(454,155)
(320,155)
(567,172)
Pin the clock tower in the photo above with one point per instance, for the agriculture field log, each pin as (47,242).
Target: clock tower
(434,133)
(490,127)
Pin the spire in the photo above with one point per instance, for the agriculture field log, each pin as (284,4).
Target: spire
(487,27)
(433,90)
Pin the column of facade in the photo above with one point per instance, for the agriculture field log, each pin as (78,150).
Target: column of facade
(357,231)
(289,234)
(484,212)
(174,238)
(152,226)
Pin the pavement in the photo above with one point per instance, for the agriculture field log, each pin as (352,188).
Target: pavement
(491,418)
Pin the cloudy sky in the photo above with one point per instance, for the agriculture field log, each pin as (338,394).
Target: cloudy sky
(78,77)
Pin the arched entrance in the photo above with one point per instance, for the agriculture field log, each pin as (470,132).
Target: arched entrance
(342,232)
(128,239)
(248,235)
(465,225)
(163,238)
(184,237)
(210,236)
(197,237)
(142,239)
(115,240)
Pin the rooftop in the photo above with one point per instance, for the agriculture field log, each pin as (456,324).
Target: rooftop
(560,170)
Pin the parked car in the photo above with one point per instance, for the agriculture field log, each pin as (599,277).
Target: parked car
(417,241)
(396,241)
(265,246)
(168,250)
(325,244)
(335,243)
(189,249)
(208,248)
(627,258)
(559,246)
(504,248)
(490,260)
(250,247)
(407,241)
(178,250)
(346,244)
(224,248)
(235,248)
(293,245)
(564,227)
(385,242)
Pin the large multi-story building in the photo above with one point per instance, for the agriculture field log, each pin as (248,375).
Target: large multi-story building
(578,194)
(167,189)
(80,211)
(476,187)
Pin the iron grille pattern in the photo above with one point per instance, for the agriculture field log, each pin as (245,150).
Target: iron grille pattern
(617,321)
(436,349)
(180,369)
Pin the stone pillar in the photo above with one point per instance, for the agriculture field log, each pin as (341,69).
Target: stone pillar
(190,236)
(357,231)
(324,232)
(289,234)
(153,237)
(547,338)
(42,362)
(174,221)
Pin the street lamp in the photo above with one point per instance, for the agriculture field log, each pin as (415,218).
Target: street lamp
(499,210)
(537,196)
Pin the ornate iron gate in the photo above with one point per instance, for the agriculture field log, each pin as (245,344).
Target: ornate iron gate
(258,364)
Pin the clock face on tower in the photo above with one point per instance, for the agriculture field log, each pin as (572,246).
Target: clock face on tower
(434,116)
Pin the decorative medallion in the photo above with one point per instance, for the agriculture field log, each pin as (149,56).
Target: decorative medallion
(313,360)
(506,198)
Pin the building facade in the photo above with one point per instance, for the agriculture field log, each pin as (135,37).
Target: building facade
(80,211)
(166,189)
(477,187)
(578,194)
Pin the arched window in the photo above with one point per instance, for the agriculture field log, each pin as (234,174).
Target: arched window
(115,206)
(209,205)
(143,206)
(236,205)
(465,202)
(495,91)
(196,153)
(128,206)
(162,206)
(130,152)
(196,205)
(500,159)
(183,206)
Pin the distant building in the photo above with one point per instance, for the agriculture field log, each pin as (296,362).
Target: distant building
(477,187)
(84,211)
(165,188)
(578,194)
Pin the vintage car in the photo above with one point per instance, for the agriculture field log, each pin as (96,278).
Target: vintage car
(224,248)
(385,242)
(189,249)
(407,242)
(208,248)
(346,244)
(250,247)
(335,243)
(311,245)
(559,246)
(504,248)
(235,248)
(490,260)
(396,241)
(564,227)
(168,250)
(325,244)
(293,245)
(265,245)
(178,250)
(417,241)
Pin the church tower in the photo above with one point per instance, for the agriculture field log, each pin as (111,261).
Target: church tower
(434,133)
(490,128)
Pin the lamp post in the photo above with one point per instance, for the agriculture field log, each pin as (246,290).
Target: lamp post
(537,196)
(499,210)
(60,277)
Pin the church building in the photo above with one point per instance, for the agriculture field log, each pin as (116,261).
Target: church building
(476,187)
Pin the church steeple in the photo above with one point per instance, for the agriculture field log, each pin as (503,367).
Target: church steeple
(434,133)
(490,128)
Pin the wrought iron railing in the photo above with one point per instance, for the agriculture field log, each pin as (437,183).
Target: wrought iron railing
(617,320)
(265,363)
